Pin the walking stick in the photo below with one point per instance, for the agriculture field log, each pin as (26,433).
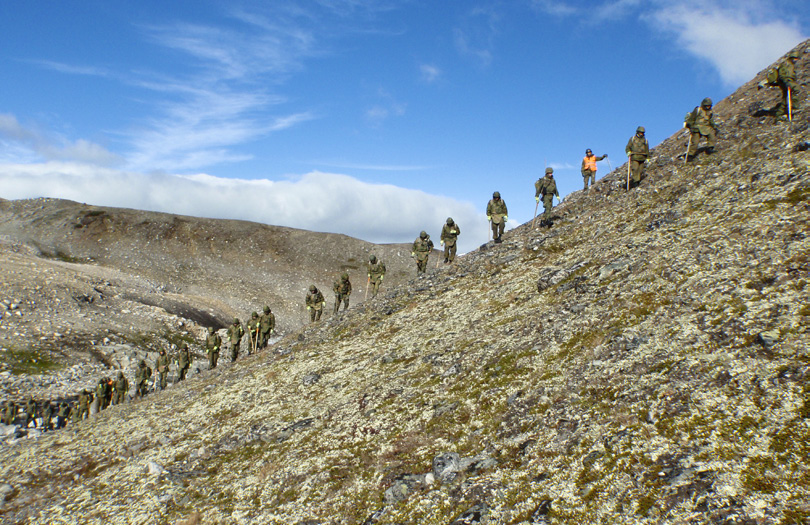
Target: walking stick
(688,147)
(368,282)
(790,107)
(536,204)
(609,166)
(489,229)
(628,173)
(256,344)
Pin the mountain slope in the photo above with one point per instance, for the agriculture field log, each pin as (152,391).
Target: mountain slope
(643,361)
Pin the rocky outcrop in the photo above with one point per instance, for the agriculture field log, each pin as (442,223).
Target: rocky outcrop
(643,361)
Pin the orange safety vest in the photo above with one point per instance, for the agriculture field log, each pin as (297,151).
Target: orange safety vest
(589,163)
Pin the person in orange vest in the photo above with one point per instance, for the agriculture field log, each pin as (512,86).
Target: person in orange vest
(589,167)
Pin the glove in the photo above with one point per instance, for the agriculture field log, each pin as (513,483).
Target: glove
(537,199)
(489,218)
(382,277)
(505,218)
(441,242)
(309,308)
(559,200)
(413,254)
(605,155)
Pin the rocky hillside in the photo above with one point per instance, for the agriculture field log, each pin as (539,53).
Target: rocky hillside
(645,360)
(104,286)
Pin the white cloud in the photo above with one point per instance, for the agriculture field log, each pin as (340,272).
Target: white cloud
(738,39)
(316,201)
(430,73)
(554,7)
(29,142)
(475,34)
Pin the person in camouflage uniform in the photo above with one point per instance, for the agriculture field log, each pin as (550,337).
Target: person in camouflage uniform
(235,334)
(376,273)
(267,325)
(30,412)
(120,389)
(162,365)
(254,327)
(448,239)
(422,247)
(142,375)
(11,413)
(47,415)
(700,122)
(497,215)
(784,77)
(101,394)
(638,154)
(212,345)
(62,415)
(588,167)
(343,289)
(315,302)
(183,362)
(547,188)
(85,398)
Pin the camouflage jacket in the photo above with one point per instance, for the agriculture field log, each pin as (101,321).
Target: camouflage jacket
(497,210)
(121,385)
(546,186)
(184,359)
(787,74)
(450,234)
(342,287)
(142,375)
(213,342)
(701,121)
(253,326)
(376,270)
(638,149)
(315,300)
(422,247)
(267,322)
(235,332)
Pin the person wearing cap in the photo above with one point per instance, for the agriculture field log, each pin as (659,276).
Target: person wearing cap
(183,362)
(638,153)
(497,215)
(212,344)
(253,328)
(700,121)
(342,288)
(547,188)
(235,333)
(450,232)
(376,273)
(588,167)
(267,325)
(162,365)
(785,78)
(422,247)
(314,302)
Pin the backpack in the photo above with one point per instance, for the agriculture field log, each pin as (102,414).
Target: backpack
(690,118)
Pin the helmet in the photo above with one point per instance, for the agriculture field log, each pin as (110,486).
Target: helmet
(313,289)
(640,129)
(344,277)
(449,221)
(706,102)
(184,346)
(235,320)
(588,151)
(496,195)
(372,259)
(549,170)
(267,309)
(423,234)
(120,374)
(254,314)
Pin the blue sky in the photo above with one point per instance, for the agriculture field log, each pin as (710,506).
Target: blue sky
(376,119)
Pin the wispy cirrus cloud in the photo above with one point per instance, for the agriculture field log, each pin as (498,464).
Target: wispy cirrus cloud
(29,143)
(476,32)
(429,73)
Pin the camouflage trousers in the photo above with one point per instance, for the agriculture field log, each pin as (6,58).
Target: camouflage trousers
(548,204)
(235,350)
(711,141)
(213,357)
(449,252)
(315,314)
(637,170)
(588,175)
(421,263)
(375,285)
(344,298)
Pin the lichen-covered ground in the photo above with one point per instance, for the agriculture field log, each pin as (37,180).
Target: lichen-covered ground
(643,361)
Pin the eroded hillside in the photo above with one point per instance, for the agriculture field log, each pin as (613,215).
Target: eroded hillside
(643,361)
